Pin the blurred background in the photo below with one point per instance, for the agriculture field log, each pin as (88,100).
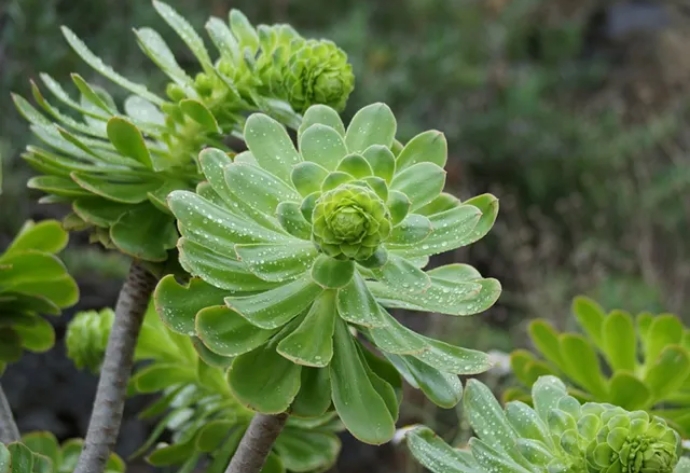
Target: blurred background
(573,112)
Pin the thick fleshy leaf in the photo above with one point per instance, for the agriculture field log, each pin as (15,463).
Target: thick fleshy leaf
(443,389)
(620,341)
(258,187)
(382,386)
(627,391)
(393,337)
(307,177)
(581,363)
(98,211)
(198,112)
(322,145)
(357,305)
(429,146)
(177,305)
(323,115)
(144,112)
(127,192)
(303,451)
(184,31)
(159,376)
(223,39)
(48,236)
(134,234)
(265,381)
(436,455)
(402,276)
(128,140)
(290,216)
(37,336)
(421,183)
(356,166)
(372,125)
(546,394)
(271,145)
(93,95)
(398,205)
(43,443)
(59,186)
(330,273)
(357,402)
(668,371)
(157,50)
(590,316)
(453,359)
(226,333)
(276,307)
(214,227)
(664,330)
(244,31)
(488,205)
(314,397)
(526,422)
(487,417)
(277,263)
(413,230)
(22,458)
(222,271)
(5,459)
(311,344)
(381,160)
(490,459)
(545,339)
(450,229)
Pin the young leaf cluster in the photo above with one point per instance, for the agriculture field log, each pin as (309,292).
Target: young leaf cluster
(205,420)
(557,435)
(638,362)
(33,281)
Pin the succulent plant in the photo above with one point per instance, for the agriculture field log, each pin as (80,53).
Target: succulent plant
(204,419)
(294,251)
(115,164)
(557,435)
(33,281)
(647,361)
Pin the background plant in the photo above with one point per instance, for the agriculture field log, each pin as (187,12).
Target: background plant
(646,360)
(558,434)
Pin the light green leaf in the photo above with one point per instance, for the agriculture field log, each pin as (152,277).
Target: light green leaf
(43,443)
(307,177)
(198,112)
(443,389)
(264,381)
(627,391)
(668,371)
(134,234)
(276,307)
(436,455)
(314,397)
(143,111)
(277,263)
(491,460)
(290,216)
(222,271)
(330,273)
(546,394)
(665,330)
(185,32)
(243,30)
(402,276)
(357,305)
(372,125)
(5,459)
(22,459)
(453,359)
(590,316)
(311,344)
(334,180)
(451,229)
(38,336)
(212,435)
(357,402)
(48,236)
(381,160)
(177,305)
(381,385)
(89,94)
(429,146)
(620,341)
(303,451)
(486,417)
(226,333)
(214,227)
(58,186)
(545,339)
(271,145)
(412,230)
(356,166)
(322,145)
(321,114)
(421,183)
(581,363)
(96,63)
(115,189)
(393,337)
(526,423)
(398,205)
(258,187)
(157,50)
(223,39)
(159,376)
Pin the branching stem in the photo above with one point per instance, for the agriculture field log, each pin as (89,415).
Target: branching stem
(8,428)
(256,444)
(106,416)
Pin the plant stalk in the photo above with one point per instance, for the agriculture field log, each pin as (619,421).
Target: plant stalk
(256,443)
(108,406)
(9,432)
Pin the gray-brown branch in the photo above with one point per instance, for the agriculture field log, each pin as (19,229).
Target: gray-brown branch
(8,429)
(106,416)
(256,443)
